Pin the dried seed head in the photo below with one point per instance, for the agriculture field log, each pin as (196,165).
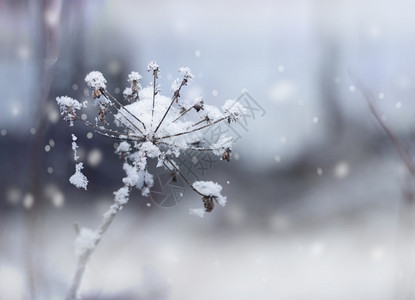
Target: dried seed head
(96,93)
(174,176)
(208,203)
(227,155)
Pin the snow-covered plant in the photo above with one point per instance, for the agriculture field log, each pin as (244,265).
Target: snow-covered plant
(149,125)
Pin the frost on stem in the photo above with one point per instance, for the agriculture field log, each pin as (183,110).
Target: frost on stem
(85,241)
(152,66)
(150,125)
(122,196)
(78,179)
(75,147)
(223,147)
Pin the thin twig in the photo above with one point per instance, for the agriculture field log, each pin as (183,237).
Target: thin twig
(182,114)
(403,152)
(201,121)
(174,98)
(184,177)
(123,107)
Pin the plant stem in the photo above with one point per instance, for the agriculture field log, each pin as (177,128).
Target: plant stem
(83,259)
(123,107)
(175,97)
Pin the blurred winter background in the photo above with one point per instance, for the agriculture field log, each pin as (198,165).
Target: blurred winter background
(320,203)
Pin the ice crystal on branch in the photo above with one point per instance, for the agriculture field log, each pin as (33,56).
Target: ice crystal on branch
(150,125)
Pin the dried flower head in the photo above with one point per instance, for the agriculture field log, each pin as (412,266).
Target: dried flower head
(150,126)
(96,82)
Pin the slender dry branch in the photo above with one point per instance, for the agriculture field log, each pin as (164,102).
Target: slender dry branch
(174,98)
(123,138)
(403,152)
(110,131)
(193,130)
(200,122)
(184,177)
(182,114)
(189,148)
(123,107)
(83,259)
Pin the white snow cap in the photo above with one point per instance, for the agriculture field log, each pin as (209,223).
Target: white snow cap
(211,189)
(123,147)
(64,102)
(134,76)
(78,179)
(186,72)
(233,109)
(152,66)
(68,106)
(96,80)
(132,175)
(150,149)
(212,113)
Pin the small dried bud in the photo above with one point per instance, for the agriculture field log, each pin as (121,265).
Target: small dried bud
(102,113)
(96,93)
(174,176)
(208,203)
(198,106)
(182,110)
(227,155)
(177,96)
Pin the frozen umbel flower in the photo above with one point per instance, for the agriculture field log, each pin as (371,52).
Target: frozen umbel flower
(148,126)
(152,126)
